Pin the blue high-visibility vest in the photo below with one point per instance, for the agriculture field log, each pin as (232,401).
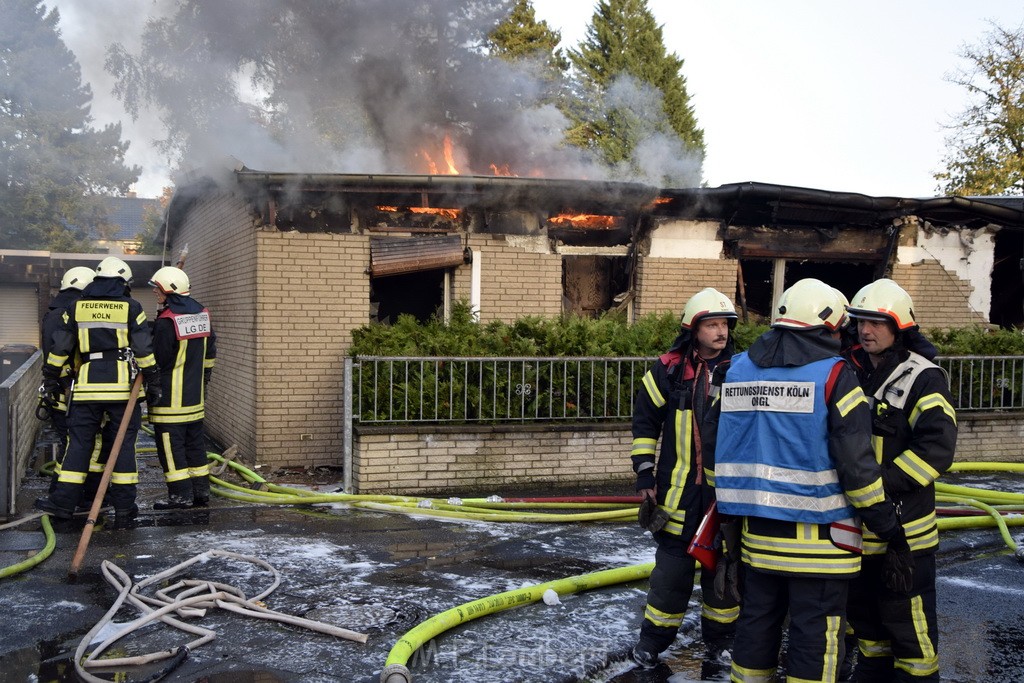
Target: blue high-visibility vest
(772,458)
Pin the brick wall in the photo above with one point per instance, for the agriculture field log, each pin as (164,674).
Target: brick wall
(513,281)
(941,299)
(990,437)
(665,284)
(313,292)
(222,268)
(489,459)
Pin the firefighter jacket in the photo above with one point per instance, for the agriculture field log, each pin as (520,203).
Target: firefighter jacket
(804,546)
(103,326)
(914,433)
(52,321)
(671,404)
(185,348)
(772,458)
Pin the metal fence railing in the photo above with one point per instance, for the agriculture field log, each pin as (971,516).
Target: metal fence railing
(982,383)
(406,390)
(487,389)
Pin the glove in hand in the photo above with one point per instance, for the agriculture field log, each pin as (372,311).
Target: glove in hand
(650,516)
(727,573)
(154,392)
(52,388)
(898,570)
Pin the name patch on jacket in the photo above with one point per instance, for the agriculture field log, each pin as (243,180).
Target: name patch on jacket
(101,312)
(775,397)
(192,325)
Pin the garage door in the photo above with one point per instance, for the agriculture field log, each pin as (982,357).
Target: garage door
(19,314)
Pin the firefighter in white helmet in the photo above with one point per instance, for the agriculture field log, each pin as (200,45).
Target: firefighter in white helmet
(108,330)
(671,405)
(185,348)
(71,286)
(788,440)
(915,431)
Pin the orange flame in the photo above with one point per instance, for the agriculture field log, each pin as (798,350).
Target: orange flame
(451,214)
(503,169)
(584,220)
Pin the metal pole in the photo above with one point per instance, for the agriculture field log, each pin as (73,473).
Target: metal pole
(346,413)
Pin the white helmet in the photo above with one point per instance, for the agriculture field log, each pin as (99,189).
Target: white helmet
(844,302)
(114,267)
(77,278)
(884,300)
(809,304)
(171,280)
(707,303)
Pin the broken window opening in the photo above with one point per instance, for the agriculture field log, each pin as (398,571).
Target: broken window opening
(590,284)
(421,295)
(758,281)
(1007,308)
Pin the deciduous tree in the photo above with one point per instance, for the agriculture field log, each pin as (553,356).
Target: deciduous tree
(985,148)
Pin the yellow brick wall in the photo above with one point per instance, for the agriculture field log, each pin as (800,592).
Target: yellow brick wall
(665,284)
(485,460)
(222,267)
(513,281)
(995,437)
(489,459)
(313,291)
(941,299)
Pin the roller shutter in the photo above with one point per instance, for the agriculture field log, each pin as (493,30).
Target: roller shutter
(398,255)
(19,314)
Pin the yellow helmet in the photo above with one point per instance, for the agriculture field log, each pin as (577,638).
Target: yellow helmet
(77,278)
(809,304)
(171,280)
(884,300)
(114,267)
(707,303)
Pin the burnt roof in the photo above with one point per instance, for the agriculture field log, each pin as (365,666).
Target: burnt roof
(764,204)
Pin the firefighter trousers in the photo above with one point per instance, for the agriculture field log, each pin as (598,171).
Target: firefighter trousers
(182,451)
(897,634)
(85,423)
(671,585)
(817,624)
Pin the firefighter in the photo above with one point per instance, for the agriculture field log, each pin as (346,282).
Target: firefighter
(71,286)
(672,405)
(914,432)
(185,348)
(789,443)
(108,329)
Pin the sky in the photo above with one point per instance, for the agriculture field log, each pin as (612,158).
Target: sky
(847,97)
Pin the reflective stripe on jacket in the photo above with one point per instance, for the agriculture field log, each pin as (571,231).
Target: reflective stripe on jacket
(772,458)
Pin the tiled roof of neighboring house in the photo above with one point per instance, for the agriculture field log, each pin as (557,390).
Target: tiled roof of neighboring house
(127,214)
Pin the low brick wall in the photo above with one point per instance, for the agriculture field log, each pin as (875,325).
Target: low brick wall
(488,459)
(990,436)
(496,459)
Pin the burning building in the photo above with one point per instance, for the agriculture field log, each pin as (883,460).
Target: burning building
(290,264)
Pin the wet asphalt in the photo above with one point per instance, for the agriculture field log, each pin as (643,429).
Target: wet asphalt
(381,574)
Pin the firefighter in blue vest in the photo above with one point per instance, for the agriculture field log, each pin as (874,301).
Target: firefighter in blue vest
(108,329)
(789,443)
(185,349)
(914,432)
(71,286)
(676,492)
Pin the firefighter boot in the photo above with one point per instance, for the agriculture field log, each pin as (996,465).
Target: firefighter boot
(47,505)
(124,518)
(173,502)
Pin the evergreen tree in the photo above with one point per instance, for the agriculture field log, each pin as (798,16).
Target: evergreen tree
(521,36)
(623,39)
(985,151)
(55,167)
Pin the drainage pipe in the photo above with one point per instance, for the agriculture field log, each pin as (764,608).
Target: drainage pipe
(395,670)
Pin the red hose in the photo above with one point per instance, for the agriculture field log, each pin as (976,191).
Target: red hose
(577,499)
